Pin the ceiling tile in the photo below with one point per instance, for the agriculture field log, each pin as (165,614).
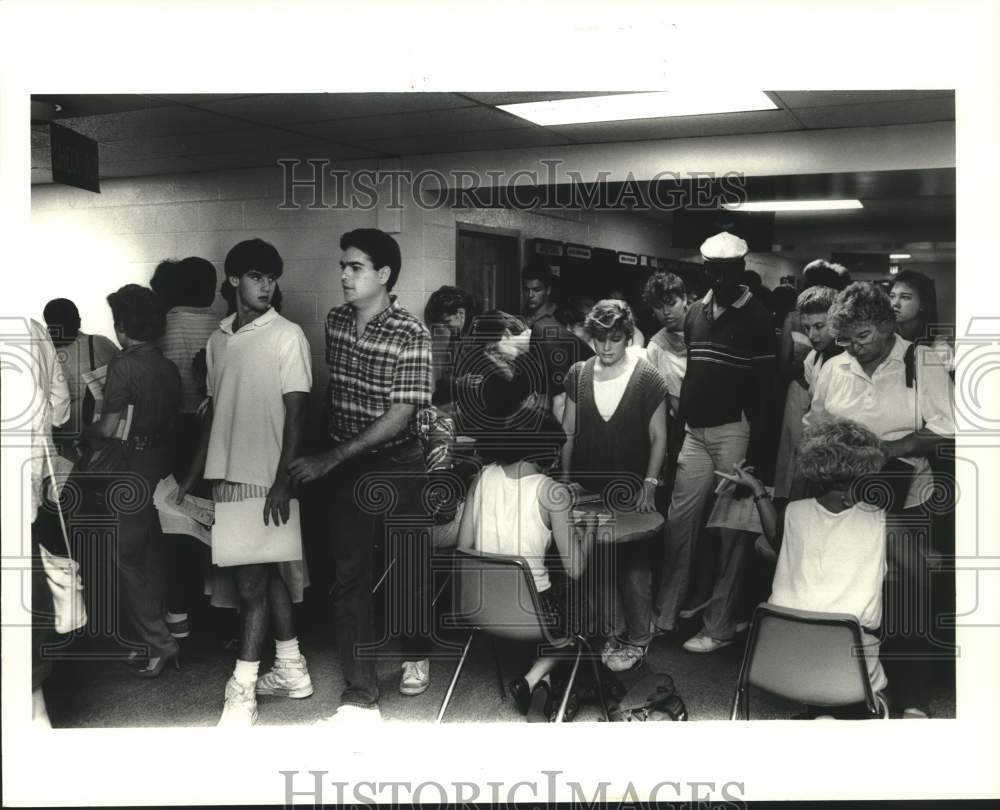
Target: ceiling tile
(798,99)
(468,141)
(495,99)
(439,122)
(865,115)
(687,126)
(76,104)
(298,107)
(160,121)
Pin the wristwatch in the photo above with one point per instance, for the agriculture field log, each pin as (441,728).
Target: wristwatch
(764,494)
(650,480)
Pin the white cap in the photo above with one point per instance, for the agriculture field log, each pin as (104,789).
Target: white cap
(723,247)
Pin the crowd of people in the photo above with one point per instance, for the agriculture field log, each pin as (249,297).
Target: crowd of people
(805,427)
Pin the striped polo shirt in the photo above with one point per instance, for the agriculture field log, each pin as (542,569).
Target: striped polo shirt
(187,333)
(730,363)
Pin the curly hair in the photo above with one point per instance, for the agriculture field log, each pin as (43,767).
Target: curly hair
(663,289)
(608,316)
(862,303)
(815,300)
(834,454)
(138,312)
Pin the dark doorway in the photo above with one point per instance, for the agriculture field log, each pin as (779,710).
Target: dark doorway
(487,266)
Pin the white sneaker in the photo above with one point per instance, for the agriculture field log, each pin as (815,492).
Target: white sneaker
(416,677)
(240,710)
(349,716)
(705,644)
(287,678)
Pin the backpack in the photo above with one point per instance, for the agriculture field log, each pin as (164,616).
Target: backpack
(652,697)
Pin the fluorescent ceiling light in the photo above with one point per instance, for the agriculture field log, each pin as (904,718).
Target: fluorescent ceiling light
(795,205)
(630,106)
(899,255)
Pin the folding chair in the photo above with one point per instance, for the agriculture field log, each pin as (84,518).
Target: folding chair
(813,658)
(496,593)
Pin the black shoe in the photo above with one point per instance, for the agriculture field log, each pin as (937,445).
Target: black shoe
(541,703)
(520,694)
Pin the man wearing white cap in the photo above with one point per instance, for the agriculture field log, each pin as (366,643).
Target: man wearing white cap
(730,342)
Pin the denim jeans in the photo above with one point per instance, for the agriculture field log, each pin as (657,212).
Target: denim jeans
(376,502)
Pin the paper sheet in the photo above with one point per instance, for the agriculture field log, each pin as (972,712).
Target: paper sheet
(239,536)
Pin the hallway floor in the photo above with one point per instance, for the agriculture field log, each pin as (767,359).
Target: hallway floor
(95,692)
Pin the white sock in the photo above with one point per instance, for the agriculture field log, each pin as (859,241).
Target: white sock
(287,650)
(246,672)
(174,618)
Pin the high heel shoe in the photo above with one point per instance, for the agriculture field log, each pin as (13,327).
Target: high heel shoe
(521,694)
(155,666)
(541,701)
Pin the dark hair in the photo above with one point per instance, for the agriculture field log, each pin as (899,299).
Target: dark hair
(195,282)
(138,312)
(782,301)
(574,312)
(165,282)
(254,254)
(528,434)
(925,289)
(63,320)
(489,327)
(381,248)
(752,279)
(820,272)
(447,300)
(663,289)
(537,269)
(228,293)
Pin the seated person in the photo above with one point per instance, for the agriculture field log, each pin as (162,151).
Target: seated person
(831,548)
(515,508)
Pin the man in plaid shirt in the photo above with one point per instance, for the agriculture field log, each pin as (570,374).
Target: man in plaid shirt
(379,357)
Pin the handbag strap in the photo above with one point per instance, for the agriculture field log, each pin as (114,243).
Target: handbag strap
(90,346)
(52,478)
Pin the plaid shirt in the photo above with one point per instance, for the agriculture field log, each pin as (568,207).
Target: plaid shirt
(390,362)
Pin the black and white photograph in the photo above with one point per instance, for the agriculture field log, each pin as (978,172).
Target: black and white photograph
(354,423)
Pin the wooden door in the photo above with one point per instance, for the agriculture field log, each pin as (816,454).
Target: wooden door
(487,266)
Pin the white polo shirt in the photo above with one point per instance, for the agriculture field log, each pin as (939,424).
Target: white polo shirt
(884,405)
(249,372)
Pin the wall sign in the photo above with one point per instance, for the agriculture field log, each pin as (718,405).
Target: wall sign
(74,159)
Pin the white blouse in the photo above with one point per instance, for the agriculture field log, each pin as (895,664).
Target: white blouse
(884,405)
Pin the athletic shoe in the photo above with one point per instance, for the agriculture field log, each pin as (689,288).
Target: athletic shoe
(705,644)
(416,677)
(350,716)
(287,678)
(240,710)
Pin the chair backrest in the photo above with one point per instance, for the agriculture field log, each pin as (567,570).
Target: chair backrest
(809,657)
(496,593)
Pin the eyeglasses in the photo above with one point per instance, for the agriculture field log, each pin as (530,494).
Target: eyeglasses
(859,342)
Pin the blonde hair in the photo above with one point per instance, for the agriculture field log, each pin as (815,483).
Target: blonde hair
(836,453)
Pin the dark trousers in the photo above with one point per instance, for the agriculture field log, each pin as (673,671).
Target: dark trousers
(187,557)
(376,507)
(142,567)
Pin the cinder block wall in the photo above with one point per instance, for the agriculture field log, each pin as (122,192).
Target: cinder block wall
(87,244)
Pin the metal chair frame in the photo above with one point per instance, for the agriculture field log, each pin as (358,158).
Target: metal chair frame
(465,557)
(875,703)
